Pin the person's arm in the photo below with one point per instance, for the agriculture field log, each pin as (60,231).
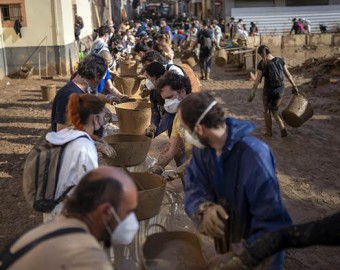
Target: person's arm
(198,191)
(175,144)
(322,232)
(112,90)
(290,79)
(155,113)
(259,74)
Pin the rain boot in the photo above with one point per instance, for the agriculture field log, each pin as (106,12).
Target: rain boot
(279,121)
(207,75)
(268,123)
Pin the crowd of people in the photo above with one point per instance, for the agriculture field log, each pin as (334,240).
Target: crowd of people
(229,176)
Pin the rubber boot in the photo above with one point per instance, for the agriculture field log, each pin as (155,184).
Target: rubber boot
(268,123)
(207,75)
(279,121)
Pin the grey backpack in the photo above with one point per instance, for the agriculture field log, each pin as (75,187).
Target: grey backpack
(41,174)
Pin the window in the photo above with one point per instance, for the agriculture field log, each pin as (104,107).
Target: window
(12,10)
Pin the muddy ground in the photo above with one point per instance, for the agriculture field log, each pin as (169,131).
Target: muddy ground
(307,160)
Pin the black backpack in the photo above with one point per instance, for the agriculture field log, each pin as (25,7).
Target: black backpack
(205,40)
(275,73)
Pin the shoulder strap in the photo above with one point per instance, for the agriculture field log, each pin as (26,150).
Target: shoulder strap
(168,66)
(7,259)
(63,195)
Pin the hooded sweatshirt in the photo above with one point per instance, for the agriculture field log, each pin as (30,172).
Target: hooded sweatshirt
(79,157)
(243,181)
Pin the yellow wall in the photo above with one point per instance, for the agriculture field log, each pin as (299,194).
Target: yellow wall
(45,18)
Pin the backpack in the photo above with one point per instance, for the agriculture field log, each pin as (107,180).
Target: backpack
(205,40)
(41,175)
(188,72)
(275,73)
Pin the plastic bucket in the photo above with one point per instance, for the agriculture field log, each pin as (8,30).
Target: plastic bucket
(298,111)
(151,189)
(48,92)
(133,117)
(128,68)
(221,58)
(128,85)
(191,61)
(173,250)
(131,149)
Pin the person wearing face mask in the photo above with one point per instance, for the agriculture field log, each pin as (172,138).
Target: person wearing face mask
(86,113)
(173,88)
(161,119)
(100,210)
(231,188)
(89,74)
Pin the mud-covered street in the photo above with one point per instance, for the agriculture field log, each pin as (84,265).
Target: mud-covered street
(307,160)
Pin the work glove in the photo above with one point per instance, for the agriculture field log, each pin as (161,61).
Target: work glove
(213,220)
(171,175)
(106,149)
(251,96)
(295,90)
(123,99)
(156,169)
(150,131)
(111,99)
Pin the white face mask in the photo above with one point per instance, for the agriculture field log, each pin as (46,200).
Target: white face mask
(192,139)
(149,84)
(171,105)
(126,229)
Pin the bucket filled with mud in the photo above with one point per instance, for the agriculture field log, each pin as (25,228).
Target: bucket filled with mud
(128,85)
(151,189)
(298,111)
(48,92)
(133,117)
(131,149)
(173,251)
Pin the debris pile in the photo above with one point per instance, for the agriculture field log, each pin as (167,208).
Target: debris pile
(325,66)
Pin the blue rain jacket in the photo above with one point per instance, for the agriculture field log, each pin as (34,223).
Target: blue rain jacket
(242,180)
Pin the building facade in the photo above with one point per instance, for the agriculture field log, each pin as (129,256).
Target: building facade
(40,33)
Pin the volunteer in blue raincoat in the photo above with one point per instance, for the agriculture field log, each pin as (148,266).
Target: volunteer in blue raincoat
(231,189)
